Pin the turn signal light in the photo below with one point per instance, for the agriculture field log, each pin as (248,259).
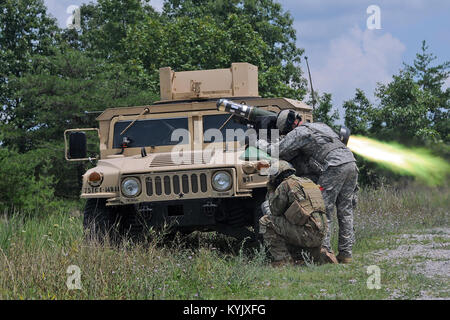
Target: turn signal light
(95,177)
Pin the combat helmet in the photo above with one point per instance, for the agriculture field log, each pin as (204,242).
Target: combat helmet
(286,119)
(280,170)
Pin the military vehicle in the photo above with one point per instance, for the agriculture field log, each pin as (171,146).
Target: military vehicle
(139,181)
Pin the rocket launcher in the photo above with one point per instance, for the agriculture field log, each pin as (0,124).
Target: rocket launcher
(257,117)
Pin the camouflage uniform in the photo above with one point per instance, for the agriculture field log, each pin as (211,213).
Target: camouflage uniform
(315,149)
(284,226)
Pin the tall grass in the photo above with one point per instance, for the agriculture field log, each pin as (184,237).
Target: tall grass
(36,251)
(388,209)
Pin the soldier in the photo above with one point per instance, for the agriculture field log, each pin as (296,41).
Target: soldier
(317,147)
(295,217)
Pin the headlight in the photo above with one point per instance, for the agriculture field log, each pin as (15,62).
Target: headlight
(131,187)
(221,181)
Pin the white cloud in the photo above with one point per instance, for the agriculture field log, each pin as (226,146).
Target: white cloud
(321,29)
(359,58)
(157,4)
(447,84)
(356,59)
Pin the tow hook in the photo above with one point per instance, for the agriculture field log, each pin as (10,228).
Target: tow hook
(209,208)
(144,210)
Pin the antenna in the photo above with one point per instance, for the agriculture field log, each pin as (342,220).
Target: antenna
(310,82)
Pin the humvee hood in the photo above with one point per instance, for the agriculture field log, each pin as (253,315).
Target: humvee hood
(171,161)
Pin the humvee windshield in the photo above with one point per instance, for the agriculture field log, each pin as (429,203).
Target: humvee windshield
(215,122)
(150,132)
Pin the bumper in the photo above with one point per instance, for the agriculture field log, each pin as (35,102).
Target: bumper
(200,214)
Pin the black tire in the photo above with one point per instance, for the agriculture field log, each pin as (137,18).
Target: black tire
(134,225)
(99,221)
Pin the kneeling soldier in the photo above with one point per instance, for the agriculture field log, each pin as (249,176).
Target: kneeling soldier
(294,216)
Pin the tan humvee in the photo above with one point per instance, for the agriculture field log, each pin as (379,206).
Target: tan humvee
(139,180)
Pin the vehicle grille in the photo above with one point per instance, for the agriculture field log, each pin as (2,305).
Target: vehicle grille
(183,184)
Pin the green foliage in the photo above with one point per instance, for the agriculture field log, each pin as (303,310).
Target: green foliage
(403,111)
(322,111)
(51,76)
(193,35)
(53,96)
(105,24)
(358,113)
(413,110)
(26,184)
(36,253)
(25,30)
(192,44)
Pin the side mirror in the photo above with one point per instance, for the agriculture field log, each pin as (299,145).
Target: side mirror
(77,145)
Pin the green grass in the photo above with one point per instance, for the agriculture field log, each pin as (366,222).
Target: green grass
(35,253)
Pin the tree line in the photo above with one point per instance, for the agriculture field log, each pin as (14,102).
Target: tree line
(50,76)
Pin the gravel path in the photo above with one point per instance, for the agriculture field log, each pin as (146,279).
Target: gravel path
(429,253)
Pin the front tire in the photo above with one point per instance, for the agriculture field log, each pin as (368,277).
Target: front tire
(100,221)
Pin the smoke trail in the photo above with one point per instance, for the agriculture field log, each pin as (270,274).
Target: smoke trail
(409,161)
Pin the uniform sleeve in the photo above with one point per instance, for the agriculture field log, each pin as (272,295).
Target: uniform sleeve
(278,200)
(289,146)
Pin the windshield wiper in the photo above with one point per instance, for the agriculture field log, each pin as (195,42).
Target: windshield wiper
(146,110)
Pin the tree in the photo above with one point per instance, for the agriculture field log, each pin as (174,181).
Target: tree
(53,96)
(358,112)
(105,24)
(429,77)
(432,79)
(192,35)
(412,109)
(322,111)
(280,73)
(22,188)
(25,30)
(192,44)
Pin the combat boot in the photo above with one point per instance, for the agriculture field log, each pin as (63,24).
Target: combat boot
(344,259)
(329,257)
(322,256)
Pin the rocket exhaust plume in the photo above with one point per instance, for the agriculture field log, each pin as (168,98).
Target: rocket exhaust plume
(417,162)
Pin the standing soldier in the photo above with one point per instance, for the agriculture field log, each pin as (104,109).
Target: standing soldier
(319,148)
(296,217)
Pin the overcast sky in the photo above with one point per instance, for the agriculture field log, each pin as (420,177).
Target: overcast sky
(343,53)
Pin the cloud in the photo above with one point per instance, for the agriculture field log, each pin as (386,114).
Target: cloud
(157,4)
(359,59)
(447,84)
(356,59)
